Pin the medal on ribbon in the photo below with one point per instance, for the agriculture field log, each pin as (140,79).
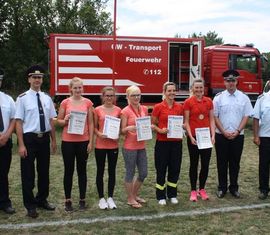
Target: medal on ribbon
(201,116)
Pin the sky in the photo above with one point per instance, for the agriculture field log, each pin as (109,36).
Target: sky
(236,21)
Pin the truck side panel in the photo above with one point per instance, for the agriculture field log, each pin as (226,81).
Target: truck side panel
(133,62)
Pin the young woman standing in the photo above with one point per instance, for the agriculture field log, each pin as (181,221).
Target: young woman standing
(133,151)
(76,146)
(198,113)
(106,147)
(168,151)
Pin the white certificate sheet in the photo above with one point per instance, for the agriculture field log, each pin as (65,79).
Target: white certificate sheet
(175,127)
(111,127)
(76,122)
(143,128)
(203,138)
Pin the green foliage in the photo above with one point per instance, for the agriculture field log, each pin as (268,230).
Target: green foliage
(24,26)
(266,66)
(211,38)
(245,221)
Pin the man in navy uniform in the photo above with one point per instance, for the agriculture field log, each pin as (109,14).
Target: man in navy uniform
(34,126)
(232,109)
(261,133)
(7,124)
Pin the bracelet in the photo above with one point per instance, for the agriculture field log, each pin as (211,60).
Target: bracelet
(238,131)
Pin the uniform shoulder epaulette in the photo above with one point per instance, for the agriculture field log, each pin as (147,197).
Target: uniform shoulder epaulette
(260,96)
(219,93)
(23,94)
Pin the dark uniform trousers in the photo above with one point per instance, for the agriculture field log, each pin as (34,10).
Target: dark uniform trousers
(5,161)
(264,163)
(228,156)
(38,148)
(168,155)
(194,156)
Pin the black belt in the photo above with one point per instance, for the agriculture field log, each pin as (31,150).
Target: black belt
(38,135)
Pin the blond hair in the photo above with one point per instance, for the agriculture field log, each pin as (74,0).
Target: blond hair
(198,80)
(165,86)
(130,90)
(73,81)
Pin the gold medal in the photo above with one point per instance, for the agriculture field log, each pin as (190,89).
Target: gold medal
(201,116)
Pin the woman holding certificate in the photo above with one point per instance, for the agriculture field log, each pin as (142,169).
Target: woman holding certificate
(133,150)
(76,116)
(107,124)
(200,127)
(167,118)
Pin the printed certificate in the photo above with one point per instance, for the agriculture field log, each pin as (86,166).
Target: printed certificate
(111,127)
(76,122)
(175,127)
(203,138)
(143,128)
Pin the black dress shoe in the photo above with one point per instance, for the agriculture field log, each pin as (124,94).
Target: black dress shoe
(263,195)
(32,213)
(235,194)
(9,210)
(220,194)
(47,206)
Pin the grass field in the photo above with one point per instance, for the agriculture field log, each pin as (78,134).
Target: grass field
(246,221)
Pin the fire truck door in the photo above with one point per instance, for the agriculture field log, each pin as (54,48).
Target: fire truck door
(195,61)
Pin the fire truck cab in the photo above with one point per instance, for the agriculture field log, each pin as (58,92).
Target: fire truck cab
(247,60)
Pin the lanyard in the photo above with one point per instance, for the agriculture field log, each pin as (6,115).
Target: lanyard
(133,110)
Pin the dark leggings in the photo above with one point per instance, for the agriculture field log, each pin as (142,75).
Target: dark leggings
(194,155)
(100,155)
(72,151)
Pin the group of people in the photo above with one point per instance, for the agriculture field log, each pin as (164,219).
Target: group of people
(219,123)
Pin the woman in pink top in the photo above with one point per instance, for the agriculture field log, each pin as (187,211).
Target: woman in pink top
(133,151)
(74,145)
(106,147)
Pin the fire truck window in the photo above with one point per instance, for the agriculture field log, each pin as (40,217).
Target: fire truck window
(243,62)
(195,55)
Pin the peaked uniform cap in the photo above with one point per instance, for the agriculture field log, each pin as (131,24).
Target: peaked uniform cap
(35,70)
(230,74)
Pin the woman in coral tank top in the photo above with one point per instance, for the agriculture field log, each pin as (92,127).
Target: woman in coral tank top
(106,147)
(133,150)
(74,145)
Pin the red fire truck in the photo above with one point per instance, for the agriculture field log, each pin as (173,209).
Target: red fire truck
(147,62)
(247,60)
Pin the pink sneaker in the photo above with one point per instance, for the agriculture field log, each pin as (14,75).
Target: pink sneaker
(202,193)
(193,196)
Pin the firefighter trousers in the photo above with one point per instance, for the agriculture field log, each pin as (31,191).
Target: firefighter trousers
(168,159)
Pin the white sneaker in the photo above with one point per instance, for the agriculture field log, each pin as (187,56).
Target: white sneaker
(103,204)
(111,203)
(162,202)
(174,200)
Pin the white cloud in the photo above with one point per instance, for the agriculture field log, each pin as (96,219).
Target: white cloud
(236,21)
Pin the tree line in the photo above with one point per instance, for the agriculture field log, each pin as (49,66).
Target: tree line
(25,26)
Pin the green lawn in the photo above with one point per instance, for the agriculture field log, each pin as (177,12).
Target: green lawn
(253,221)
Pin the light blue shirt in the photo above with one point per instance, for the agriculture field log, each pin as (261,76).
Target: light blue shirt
(8,109)
(231,109)
(27,110)
(262,112)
